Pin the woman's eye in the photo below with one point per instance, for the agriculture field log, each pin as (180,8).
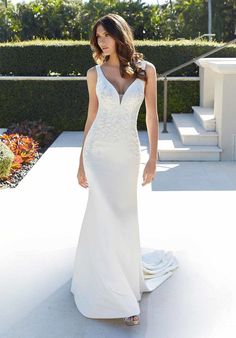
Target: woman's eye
(105,35)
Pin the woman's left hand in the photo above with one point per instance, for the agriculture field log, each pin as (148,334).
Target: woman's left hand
(149,172)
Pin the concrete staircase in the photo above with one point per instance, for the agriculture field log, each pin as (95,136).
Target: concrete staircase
(190,137)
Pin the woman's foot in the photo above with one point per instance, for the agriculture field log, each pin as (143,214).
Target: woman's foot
(132,320)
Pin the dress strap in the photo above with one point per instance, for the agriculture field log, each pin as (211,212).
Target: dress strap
(98,72)
(142,64)
(97,69)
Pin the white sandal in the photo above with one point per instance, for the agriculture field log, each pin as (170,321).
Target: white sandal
(132,320)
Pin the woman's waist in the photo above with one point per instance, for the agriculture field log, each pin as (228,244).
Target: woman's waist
(112,140)
(113,133)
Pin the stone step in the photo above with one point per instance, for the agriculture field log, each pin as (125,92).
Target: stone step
(205,116)
(170,147)
(192,133)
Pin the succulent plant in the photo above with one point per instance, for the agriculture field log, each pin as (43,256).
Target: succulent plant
(37,129)
(23,147)
(6,160)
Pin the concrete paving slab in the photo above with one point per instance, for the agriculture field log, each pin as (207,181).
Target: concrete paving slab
(188,209)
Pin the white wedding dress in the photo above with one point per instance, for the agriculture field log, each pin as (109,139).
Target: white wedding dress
(111,270)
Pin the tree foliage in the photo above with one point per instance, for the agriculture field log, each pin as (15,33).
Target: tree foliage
(73,19)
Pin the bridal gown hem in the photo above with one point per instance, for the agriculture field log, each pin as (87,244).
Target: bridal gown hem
(111,270)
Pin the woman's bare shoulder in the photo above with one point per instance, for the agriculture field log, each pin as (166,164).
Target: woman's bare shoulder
(92,71)
(92,74)
(149,64)
(150,69)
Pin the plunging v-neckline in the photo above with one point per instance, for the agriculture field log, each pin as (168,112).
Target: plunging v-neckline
(123,95)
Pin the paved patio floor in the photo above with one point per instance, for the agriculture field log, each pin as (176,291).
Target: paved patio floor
(189,209)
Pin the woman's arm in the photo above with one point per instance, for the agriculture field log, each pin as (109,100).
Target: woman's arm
(152,120)
(92,105)
(92,112)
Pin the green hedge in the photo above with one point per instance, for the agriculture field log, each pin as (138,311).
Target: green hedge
(64,103)
(59,103)
(39,57)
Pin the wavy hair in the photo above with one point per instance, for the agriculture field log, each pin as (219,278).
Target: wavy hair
(122,33)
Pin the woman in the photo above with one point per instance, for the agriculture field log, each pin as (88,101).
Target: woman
(110,273)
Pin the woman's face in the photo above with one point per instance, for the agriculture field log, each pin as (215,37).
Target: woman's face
(105,41)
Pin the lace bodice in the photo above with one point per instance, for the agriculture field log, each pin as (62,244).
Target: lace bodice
(108,94)
(116,119)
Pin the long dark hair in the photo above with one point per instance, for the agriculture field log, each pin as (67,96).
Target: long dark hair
(129,58)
